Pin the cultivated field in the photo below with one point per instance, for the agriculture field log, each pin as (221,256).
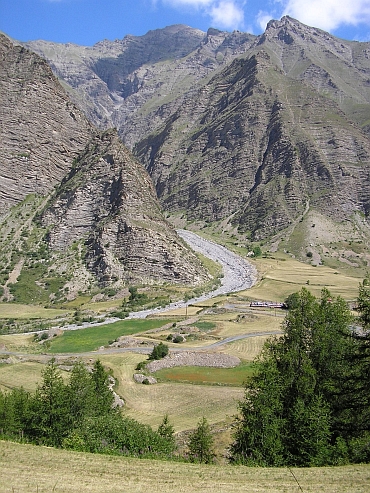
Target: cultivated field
(30,469)
(282,276)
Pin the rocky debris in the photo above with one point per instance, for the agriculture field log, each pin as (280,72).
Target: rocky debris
(238,273)
(140,378)
(216,360)
(118,401)
(127,341)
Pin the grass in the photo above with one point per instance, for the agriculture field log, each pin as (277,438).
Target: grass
(22,311)
(30,469)
(201,375)
(185,404)
(281,277)
(27,375)
(91,338)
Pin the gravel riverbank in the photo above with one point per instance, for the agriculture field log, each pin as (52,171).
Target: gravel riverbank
(239,274)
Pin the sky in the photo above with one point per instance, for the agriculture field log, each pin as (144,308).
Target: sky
(86,22)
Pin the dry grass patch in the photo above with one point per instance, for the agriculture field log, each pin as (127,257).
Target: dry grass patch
(16,342)
(185,404)
(281,277)
(247,349)
(244,323)
(189,311)
(30,469)
(19,311)
(25,375)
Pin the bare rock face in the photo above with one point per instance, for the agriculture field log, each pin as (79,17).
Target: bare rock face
(41,130)
(108,202)
(133,84)
(272,134)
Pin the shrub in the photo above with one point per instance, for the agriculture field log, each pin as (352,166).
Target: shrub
(141,365)
(178,339)
(159,351)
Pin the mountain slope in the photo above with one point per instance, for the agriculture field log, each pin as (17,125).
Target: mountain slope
(78,212)
(108,202)
(268,134)
(41,129)
(134,83)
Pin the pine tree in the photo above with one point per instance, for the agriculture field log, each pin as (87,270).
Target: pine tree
(166,431)
(201,443)
(49,417)
(103,395)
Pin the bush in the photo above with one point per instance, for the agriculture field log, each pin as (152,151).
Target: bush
(178,339)
(159,351)
(141,365)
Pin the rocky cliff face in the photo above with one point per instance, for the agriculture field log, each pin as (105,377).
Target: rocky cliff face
(135,83)
(265,133)
(108,202)
(279,129)
(41,130)
(79,213)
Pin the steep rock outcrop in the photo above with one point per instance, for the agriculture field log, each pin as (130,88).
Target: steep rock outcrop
(41,130)
(264,140)
(237,126)
(133,84)
(108,202)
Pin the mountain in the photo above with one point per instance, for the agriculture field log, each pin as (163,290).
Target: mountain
(266,137)
(108,201)
(272,135)
(41,132)
(269,133)
(134,83)
(78,212)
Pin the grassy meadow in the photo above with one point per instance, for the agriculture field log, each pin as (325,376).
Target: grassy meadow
(197,375)
(186,394)
(91,338)
(21,311)
(31,469)
(283,275)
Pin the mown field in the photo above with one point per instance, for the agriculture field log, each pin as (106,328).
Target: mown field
(31,469)
(235,377)
(179,394)
(21,311)
(91,338)
(281,276)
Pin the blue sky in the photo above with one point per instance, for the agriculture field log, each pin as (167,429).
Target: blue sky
(86,22)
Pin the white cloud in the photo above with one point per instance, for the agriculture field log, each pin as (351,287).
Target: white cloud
(263,18)
(329,14)
(227,14)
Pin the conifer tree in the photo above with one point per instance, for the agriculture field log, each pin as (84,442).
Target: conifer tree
(201,443)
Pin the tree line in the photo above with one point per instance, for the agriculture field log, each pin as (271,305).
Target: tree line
(79,415)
